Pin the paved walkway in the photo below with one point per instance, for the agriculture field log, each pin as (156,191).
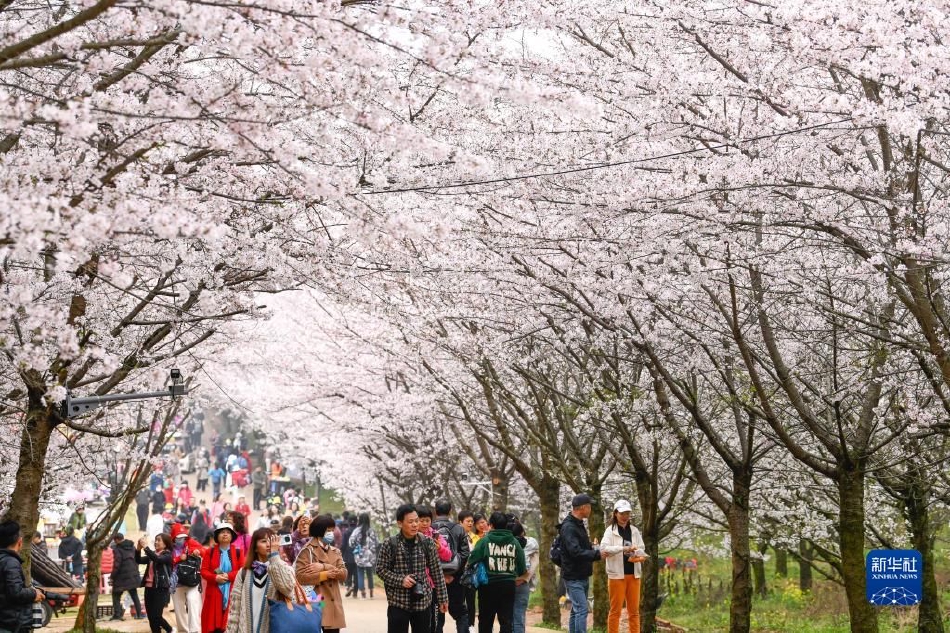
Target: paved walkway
(362,616)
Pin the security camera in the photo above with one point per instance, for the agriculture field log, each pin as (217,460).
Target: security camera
(177,387)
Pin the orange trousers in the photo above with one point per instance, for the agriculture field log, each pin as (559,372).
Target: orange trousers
(620,591)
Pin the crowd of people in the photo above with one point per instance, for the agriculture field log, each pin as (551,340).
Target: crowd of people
(219,566)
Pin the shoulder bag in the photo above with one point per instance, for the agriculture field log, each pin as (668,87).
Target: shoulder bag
(287,617)
(474,576)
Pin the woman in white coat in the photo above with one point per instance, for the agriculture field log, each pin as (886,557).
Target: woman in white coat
(264,577)
(624,546)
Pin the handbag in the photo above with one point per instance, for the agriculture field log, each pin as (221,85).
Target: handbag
(287,617)
(310,591)
(474,576)
(481,574)
(467,579)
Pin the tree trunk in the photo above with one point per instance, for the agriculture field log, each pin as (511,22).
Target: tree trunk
(806,552)
(781,562)
(740,608)
(549,491)
(24,506)
(499,490)
(86,618)
(758,570)
(916,502)
(596,527)
(851,537)
(758,577)
(99,536)
(650,577)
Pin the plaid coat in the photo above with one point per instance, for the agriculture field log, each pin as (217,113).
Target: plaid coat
(394,562)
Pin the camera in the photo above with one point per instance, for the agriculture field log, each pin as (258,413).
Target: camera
(418,591)
(285,540)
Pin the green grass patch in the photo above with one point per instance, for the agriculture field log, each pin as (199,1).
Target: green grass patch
(702,605)
(331,502)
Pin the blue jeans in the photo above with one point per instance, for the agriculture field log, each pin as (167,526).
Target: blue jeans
(577,594)
(364,575)
(522,593)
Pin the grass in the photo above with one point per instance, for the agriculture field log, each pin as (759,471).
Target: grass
(331,502)
(785,608)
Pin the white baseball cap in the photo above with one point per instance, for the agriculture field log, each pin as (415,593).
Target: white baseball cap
(622,505)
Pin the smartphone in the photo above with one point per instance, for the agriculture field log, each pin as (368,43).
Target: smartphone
(285,540)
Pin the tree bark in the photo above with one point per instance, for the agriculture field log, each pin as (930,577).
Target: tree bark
(851,538)
(740,607)
(758,568)
(804,567)
(86,617)
(549,490)
(596,526)
(929,615)
(781,562)
(758,577)
(650,577)
(499,491)
(24,507)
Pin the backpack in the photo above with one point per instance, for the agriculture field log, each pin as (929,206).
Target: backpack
(189,571)
(450,567)
(555,553)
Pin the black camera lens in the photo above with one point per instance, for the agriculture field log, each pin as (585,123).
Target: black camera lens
(417,591)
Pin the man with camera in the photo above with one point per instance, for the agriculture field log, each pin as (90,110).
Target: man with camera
(408,564)
(16,597)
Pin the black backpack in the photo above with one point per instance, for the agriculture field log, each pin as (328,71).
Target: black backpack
(451,566)
(189,571)
(555,553)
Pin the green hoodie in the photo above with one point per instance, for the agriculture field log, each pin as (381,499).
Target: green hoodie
(503,555)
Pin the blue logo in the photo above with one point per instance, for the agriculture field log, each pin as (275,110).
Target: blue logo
(894,577)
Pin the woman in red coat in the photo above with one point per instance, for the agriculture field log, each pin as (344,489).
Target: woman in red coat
(219,569)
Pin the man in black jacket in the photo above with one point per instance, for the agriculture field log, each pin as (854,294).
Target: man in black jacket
(142,500)
(577,561)
(70,548)
(348,527)
(158,501)
(16,598)
(125,577)
(458,608)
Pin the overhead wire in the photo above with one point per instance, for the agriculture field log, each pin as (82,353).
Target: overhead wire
(608,165)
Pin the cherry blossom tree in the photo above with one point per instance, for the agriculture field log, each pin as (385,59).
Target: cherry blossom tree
(169,161)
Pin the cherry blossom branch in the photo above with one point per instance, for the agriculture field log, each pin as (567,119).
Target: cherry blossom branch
(85,428)
(93,12)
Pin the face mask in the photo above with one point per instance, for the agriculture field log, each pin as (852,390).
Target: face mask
(328,538)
